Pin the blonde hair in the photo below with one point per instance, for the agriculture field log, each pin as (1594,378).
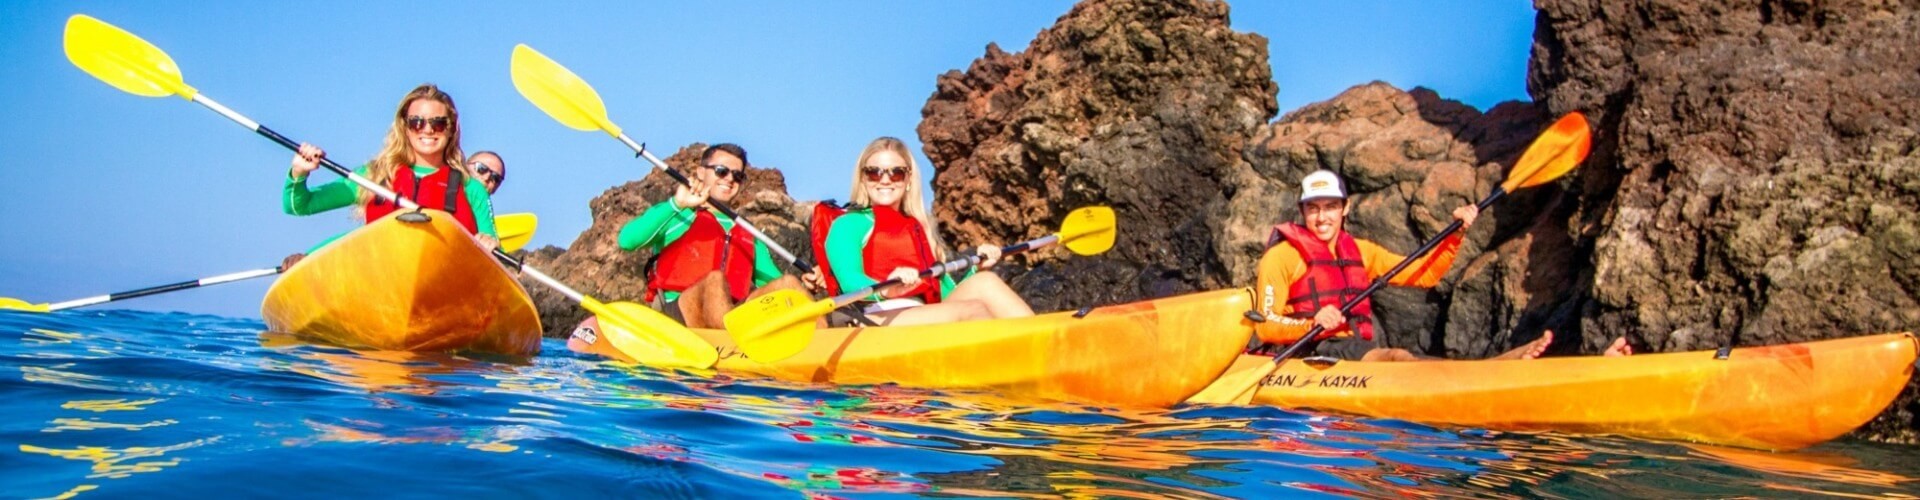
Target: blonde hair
(396,153)
(913,204)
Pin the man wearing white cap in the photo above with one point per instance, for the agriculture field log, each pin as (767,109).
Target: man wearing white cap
(1304,281)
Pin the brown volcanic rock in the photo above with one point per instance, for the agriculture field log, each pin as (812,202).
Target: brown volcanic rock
(595,265)
(1754,172)
(1409,159)
(1143,105)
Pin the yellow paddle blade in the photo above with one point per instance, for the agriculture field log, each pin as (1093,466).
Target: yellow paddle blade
(1558,149)
(1238,384)
(651,338)
(122,60)
(1088,230)
(21,305)
(559,92)
(777,325)
(515,230)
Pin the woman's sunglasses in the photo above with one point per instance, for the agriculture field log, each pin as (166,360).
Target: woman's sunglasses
(722,171)
(895,174)
(439,123)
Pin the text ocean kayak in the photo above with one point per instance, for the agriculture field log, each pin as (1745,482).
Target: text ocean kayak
(405,286)
(1146,354)
(1776,397)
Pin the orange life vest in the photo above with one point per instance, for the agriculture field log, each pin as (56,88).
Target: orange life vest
(897,241)
(421,190)
(1332,278)
(704,248)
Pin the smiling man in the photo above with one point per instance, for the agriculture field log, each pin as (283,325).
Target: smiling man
(1313,266)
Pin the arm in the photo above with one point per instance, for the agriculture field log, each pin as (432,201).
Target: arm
(845,241)
(482,206)
(764,268)
(1278,269)
(654,228)
(1424,272)
(297,199)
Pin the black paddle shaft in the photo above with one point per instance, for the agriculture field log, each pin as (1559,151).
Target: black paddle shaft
(1381,282)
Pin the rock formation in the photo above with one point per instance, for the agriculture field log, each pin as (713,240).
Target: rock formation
(1754,169)
(1142,105)
(595,265)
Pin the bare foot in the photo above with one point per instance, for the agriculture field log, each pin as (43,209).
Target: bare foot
(288,262)
(1529,350)
(1619,347)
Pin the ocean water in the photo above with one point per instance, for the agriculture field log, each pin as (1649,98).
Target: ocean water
(112,404)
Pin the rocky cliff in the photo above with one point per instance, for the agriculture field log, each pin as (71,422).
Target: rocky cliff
(1754,174)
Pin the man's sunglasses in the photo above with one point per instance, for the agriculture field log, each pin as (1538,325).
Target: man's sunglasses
(439,123)
(481,168)
(722,171)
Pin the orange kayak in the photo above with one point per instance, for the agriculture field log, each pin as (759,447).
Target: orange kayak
(1153,353)
(1777,397)
(404,286)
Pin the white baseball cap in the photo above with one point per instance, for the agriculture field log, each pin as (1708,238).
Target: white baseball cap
(1321,184)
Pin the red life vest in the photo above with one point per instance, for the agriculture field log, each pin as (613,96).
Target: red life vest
(705,247)
(1331,279)
(897,241)
(433,187)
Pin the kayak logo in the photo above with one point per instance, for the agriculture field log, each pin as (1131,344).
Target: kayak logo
(1333,382)
(586,334)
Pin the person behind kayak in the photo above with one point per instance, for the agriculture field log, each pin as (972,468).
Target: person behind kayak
(705,263)
(885,233)
(1311,268)
(421,160)
(490,168)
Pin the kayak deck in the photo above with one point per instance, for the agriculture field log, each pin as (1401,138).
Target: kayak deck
(404,286)
(1775,397)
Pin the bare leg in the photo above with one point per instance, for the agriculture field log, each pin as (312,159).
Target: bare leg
(705,304)
(987,288)
(784,282)
(1529,350)
(1619,347)
(943,312)
(1389,354)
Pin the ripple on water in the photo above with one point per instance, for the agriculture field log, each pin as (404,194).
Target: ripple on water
(127,403)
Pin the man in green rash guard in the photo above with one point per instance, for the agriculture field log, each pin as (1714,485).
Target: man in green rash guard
(705,263)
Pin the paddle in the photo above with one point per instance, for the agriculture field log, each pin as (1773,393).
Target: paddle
(568,99)
(1558,150)
(133,65)
(781,323)
(515,231)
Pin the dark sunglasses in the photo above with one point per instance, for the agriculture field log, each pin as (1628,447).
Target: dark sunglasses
(895,174)
(722,171)
(481,168)
(439,123)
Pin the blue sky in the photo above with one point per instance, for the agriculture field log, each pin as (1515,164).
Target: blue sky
(102,191)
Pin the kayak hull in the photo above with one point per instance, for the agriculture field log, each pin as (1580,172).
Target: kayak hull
(1776,397)
(405,286)
(1146,354)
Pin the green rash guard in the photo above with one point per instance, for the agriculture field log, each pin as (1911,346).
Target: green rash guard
(846,249)
(297,199)
(662,224)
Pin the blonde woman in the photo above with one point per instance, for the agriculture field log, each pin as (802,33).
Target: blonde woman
(885,233)
(421,160)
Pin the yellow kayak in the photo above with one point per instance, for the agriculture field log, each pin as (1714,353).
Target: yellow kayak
(405,286)
(1777,397)
(1146,354)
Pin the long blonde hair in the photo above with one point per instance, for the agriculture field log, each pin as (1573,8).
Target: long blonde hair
(913,204)
(397,154)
